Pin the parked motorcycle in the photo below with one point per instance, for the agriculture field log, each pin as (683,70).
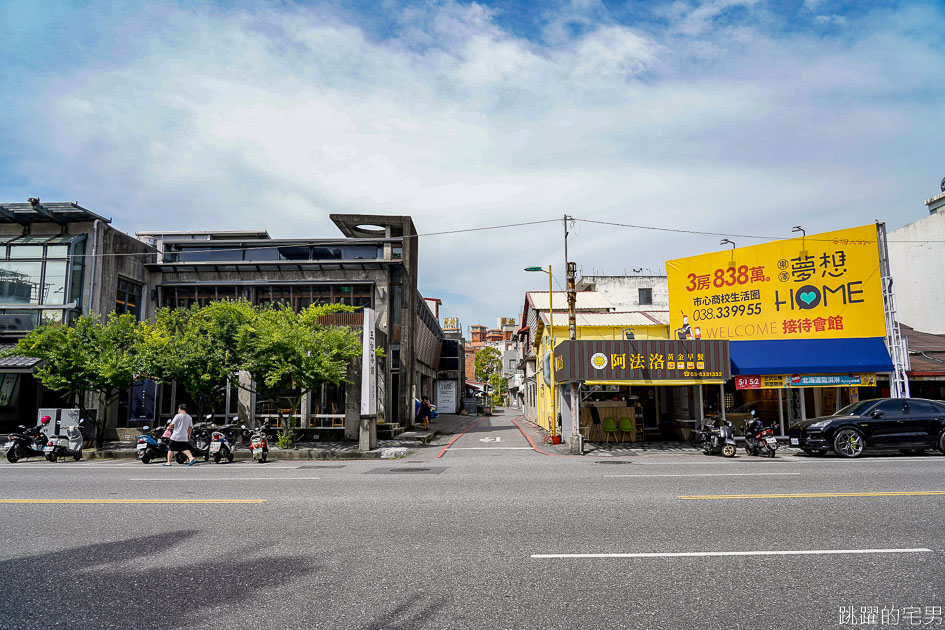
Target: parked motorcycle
(759,439)
(718,437)
(223,443)
(258,442)
(29,443)
(200,440)
(153,445)
(65,446)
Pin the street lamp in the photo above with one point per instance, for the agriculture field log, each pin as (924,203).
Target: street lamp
(551,329)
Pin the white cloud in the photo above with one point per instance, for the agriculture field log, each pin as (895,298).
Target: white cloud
(208,119)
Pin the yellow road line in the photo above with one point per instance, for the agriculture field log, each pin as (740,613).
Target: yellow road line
(818,495)
(108,501)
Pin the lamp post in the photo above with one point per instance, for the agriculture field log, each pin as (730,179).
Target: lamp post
(551,329)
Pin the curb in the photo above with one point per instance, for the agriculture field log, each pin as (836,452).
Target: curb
(274,454)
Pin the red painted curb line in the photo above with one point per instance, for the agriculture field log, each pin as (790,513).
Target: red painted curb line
(443,451)
(533,444)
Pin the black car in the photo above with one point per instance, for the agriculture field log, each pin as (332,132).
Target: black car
(906,424)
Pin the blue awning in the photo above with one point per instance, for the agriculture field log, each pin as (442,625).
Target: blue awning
(810,356)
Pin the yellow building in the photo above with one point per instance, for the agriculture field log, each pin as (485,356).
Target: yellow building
(595,320)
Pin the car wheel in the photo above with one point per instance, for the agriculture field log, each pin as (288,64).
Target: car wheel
(941,443)
(848,443)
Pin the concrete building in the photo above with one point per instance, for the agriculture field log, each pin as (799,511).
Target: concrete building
(374,266)
(917,265)
(629,293)
(59,261)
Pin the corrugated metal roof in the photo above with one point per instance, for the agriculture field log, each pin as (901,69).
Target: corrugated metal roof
(614,320)
(586,301)
(16,362)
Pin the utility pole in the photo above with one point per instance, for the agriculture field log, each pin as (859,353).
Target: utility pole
(577,447)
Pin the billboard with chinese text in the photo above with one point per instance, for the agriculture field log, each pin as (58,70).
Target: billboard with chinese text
(815,287)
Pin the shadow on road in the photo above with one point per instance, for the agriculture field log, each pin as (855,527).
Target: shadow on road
(93,586)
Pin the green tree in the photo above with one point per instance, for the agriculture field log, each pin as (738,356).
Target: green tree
(488,362)
(196,347)
(500,387)
(284,350)
(95,357)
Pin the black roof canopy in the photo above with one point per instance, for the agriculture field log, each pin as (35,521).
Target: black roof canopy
(33,211)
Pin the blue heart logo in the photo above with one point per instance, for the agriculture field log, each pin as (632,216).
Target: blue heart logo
(808,297)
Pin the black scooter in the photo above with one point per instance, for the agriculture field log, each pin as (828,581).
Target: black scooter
(718,437)
(759,439)
(29,443)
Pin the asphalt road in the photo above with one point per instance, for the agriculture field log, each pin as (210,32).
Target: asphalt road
(479,535)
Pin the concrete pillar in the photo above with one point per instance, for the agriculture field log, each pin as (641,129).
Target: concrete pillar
(305,410)
(367,433)
(246,409)
(353,401)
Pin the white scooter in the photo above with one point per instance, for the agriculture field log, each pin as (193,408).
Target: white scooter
(59,446)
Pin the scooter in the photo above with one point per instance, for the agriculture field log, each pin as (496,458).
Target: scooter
(258,443)
(153,445)
(222,443)
(200,440)
(759,439)
(62,447)
(719,437)
(29,443)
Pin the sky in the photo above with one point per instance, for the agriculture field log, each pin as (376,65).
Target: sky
(742,117)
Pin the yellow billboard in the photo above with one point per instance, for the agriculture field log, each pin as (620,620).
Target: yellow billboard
(820,286)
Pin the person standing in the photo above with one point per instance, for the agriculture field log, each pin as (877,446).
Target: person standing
(423,413)
(181,427)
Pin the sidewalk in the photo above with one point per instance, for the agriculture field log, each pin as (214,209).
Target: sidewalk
(401,446)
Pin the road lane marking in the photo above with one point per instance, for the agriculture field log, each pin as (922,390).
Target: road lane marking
(491,448)
(166,479)
(819,495)
(110,501)
(714,554)
(769,474)
(450,443)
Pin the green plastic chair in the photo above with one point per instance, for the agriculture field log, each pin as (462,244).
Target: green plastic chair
(610,426)
(626,428)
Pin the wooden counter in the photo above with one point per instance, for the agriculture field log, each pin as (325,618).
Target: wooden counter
(610,409)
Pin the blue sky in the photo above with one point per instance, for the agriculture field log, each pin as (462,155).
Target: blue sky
(739,116)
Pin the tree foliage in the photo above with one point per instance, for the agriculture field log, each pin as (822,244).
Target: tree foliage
(199,348)
(488,362)
(94,356)
(196,347)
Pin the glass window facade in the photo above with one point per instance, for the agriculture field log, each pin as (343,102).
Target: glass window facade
(229,253)
(128,299)
(35,270)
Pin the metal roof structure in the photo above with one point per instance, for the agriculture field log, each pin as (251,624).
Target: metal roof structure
(586,301)
(612,320)
(59,212)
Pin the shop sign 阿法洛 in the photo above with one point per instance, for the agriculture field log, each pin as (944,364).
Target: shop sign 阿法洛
(822,286)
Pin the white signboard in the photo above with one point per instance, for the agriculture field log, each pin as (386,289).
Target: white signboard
(368,366)
(446,396)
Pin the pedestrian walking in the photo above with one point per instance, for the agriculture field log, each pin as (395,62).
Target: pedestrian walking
(423,413)
(181,427)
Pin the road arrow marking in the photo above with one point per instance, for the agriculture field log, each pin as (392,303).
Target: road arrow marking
(491,439)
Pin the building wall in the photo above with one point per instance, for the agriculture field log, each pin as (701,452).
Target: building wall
(542,408)
(623,291)
(917,266)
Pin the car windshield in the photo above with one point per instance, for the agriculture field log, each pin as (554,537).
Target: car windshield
(855,409)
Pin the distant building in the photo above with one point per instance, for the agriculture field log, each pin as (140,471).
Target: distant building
(917,266)
(629,293)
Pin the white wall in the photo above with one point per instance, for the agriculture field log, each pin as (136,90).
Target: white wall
(918,273)
(623,291)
